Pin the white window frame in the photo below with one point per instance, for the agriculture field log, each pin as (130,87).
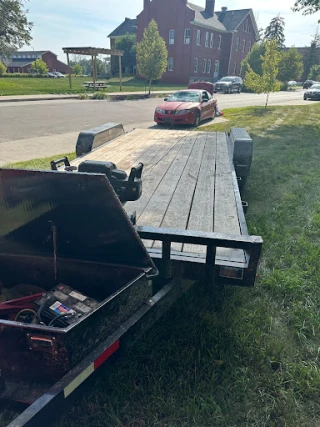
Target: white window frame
(220,40)
(171,36)
(216,66)
(198,37)
(234,68)
(237,44)
(171,63)
(207,39)
(209,66)
(196,65)
(204,66)
(244,45)
(240,71)
(211,39)
(249,46)
(187,38)
(246,29)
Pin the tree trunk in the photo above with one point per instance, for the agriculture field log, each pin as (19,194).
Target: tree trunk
(265,107)
(150,83)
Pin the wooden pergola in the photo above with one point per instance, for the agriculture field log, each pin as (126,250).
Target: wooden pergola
(93,52)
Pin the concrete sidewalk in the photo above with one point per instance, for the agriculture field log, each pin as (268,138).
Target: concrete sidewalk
(113,96)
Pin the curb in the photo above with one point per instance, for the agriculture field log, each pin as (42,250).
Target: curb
(47,98)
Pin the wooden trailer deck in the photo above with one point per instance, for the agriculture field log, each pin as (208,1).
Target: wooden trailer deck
(188,184)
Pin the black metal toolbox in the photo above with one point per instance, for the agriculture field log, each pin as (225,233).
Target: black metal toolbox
(67,243)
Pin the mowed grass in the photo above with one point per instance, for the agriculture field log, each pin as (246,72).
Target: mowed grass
(255,362)
(36,86)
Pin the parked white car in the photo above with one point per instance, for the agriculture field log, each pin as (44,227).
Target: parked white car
(292,83)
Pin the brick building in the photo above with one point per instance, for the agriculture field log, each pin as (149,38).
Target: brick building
(20,62)
(203,44)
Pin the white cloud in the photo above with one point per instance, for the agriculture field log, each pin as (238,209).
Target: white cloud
(81,23)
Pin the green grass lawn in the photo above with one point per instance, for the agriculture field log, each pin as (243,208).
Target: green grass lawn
(255,362)
(36,86)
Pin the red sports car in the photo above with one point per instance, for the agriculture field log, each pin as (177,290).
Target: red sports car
(186,107)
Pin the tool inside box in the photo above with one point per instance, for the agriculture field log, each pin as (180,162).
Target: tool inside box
(85,286)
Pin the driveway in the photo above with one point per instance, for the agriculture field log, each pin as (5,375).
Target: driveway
(44,128)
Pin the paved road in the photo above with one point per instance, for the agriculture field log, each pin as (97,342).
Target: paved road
(41,128)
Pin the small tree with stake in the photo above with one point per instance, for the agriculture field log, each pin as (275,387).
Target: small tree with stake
(267,82)
(152,54)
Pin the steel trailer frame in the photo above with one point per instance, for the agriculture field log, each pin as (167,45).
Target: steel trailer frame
(45,407)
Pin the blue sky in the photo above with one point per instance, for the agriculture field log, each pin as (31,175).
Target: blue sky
(65,23)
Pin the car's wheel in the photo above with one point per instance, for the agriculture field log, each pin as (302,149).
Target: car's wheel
(305,98)
(196,120)
(239,90)
(214,113)
(229,89)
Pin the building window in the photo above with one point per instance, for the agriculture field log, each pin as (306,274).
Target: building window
(207,39)
(234,68)
(220,40)
(240,72)
(249,46)
(237,44)
(211,39)
(246,26)
(204,66)
(199,37)
(209,66)
(171,37)
(196,63)
(244,45)
(170,64)
(186,36)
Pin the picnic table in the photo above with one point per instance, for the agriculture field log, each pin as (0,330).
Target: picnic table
(97,85)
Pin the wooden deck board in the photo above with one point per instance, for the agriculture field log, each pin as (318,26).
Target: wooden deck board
(157,205)
(178,210)
(201,214)
(225,209)
(187,182)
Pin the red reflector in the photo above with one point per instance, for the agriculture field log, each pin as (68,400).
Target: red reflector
(106,354)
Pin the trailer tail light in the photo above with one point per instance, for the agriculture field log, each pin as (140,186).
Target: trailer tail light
(231,272)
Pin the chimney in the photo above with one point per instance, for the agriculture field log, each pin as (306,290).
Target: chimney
(210,7)
(222,14)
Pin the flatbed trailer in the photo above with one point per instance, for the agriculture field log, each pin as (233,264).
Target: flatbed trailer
(191,220)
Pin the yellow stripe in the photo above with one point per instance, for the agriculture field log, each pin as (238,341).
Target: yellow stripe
(78,380)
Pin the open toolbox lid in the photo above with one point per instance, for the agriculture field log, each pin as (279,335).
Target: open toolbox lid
(79,212)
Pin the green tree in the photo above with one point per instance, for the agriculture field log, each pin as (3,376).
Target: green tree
(127,43)
(152,54)
(254,59)
(312,56)
(275,30)
(267,82)
(314,73)
(14,26)
(306,6)
(77,69)
(3,69)
(290,65)
(39,67)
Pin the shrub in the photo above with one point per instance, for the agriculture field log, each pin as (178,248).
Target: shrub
(99,95)
(284,86)
(3,69)
(83,96)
